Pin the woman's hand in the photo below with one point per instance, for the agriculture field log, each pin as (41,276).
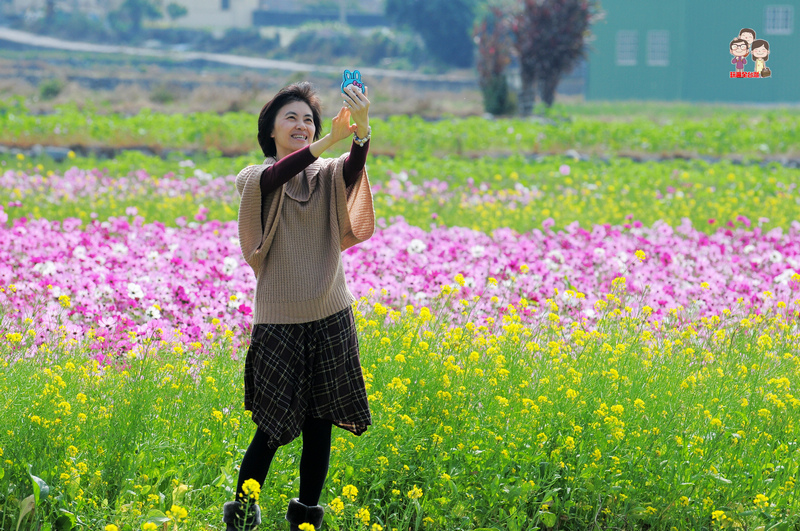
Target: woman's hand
(340,129)
(340,125)
(358,104)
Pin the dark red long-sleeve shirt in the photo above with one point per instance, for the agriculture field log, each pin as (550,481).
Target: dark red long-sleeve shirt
(282,171)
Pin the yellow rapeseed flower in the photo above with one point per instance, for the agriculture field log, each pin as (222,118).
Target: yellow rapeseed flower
(350,491)
(761,501)
(149,526)
(251,489)
(306,527)
(363,515)
(336,505)
(415,493)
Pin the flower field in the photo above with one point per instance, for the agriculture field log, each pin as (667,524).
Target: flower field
(548,343)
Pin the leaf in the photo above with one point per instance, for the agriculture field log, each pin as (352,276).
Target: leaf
(40,489)
(720,478)
(65,522)
(548,518)
(27,505)
(157,517)
(782,525)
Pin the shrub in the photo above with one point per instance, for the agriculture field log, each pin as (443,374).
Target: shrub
(51,88)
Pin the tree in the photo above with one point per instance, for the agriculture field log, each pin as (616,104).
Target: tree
(444,25)
(549,40)
(133,12)
(176,11)
(494,55)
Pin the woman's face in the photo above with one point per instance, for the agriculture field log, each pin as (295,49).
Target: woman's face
(294,128)
(760,52)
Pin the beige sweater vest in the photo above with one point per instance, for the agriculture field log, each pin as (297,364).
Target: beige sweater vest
(294,241)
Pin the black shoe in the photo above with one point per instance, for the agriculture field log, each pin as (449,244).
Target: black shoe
(297,514)
(233,515)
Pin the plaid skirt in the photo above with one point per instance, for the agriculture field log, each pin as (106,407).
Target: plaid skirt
(294,371)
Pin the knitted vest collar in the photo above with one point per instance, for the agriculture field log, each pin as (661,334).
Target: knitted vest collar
(301,186)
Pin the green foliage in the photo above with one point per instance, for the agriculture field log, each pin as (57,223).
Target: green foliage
(130,15)
(497,98)
(445,26)
(176,11)
(164,93)
(51,88)
(722,132)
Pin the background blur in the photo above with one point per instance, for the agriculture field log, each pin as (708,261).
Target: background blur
(433,57)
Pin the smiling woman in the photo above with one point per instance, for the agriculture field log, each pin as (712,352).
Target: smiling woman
(298,212)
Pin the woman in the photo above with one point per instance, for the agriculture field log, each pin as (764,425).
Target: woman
(760,52)
(297,213)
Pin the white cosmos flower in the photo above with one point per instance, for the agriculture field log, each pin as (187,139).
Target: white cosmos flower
(79,252)
(775,257)
(56,292)
(153,256)
(229,265)
(416,246)
(749,248)
(202,254)
(153,313)
(119,249)
(236,300)
(135,291)
(477,251)
(45,268)
(785,277)
(599,253)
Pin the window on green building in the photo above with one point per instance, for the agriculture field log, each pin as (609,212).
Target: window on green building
(658,48)
(779,20)
(627,47)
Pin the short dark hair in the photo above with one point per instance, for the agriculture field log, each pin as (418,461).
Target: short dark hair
(304,92)
(740,41)
(747,30)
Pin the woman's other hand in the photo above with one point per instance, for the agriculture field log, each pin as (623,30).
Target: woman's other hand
(340,126)
(340,129)
(358,104)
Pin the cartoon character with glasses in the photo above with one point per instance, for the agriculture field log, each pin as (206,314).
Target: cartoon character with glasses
(740,49)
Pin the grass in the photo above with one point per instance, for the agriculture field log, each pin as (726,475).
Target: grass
(635,425)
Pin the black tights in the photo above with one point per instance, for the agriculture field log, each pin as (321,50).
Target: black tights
(314,460)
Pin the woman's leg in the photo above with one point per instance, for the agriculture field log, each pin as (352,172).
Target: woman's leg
(314,460)
(256,462)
